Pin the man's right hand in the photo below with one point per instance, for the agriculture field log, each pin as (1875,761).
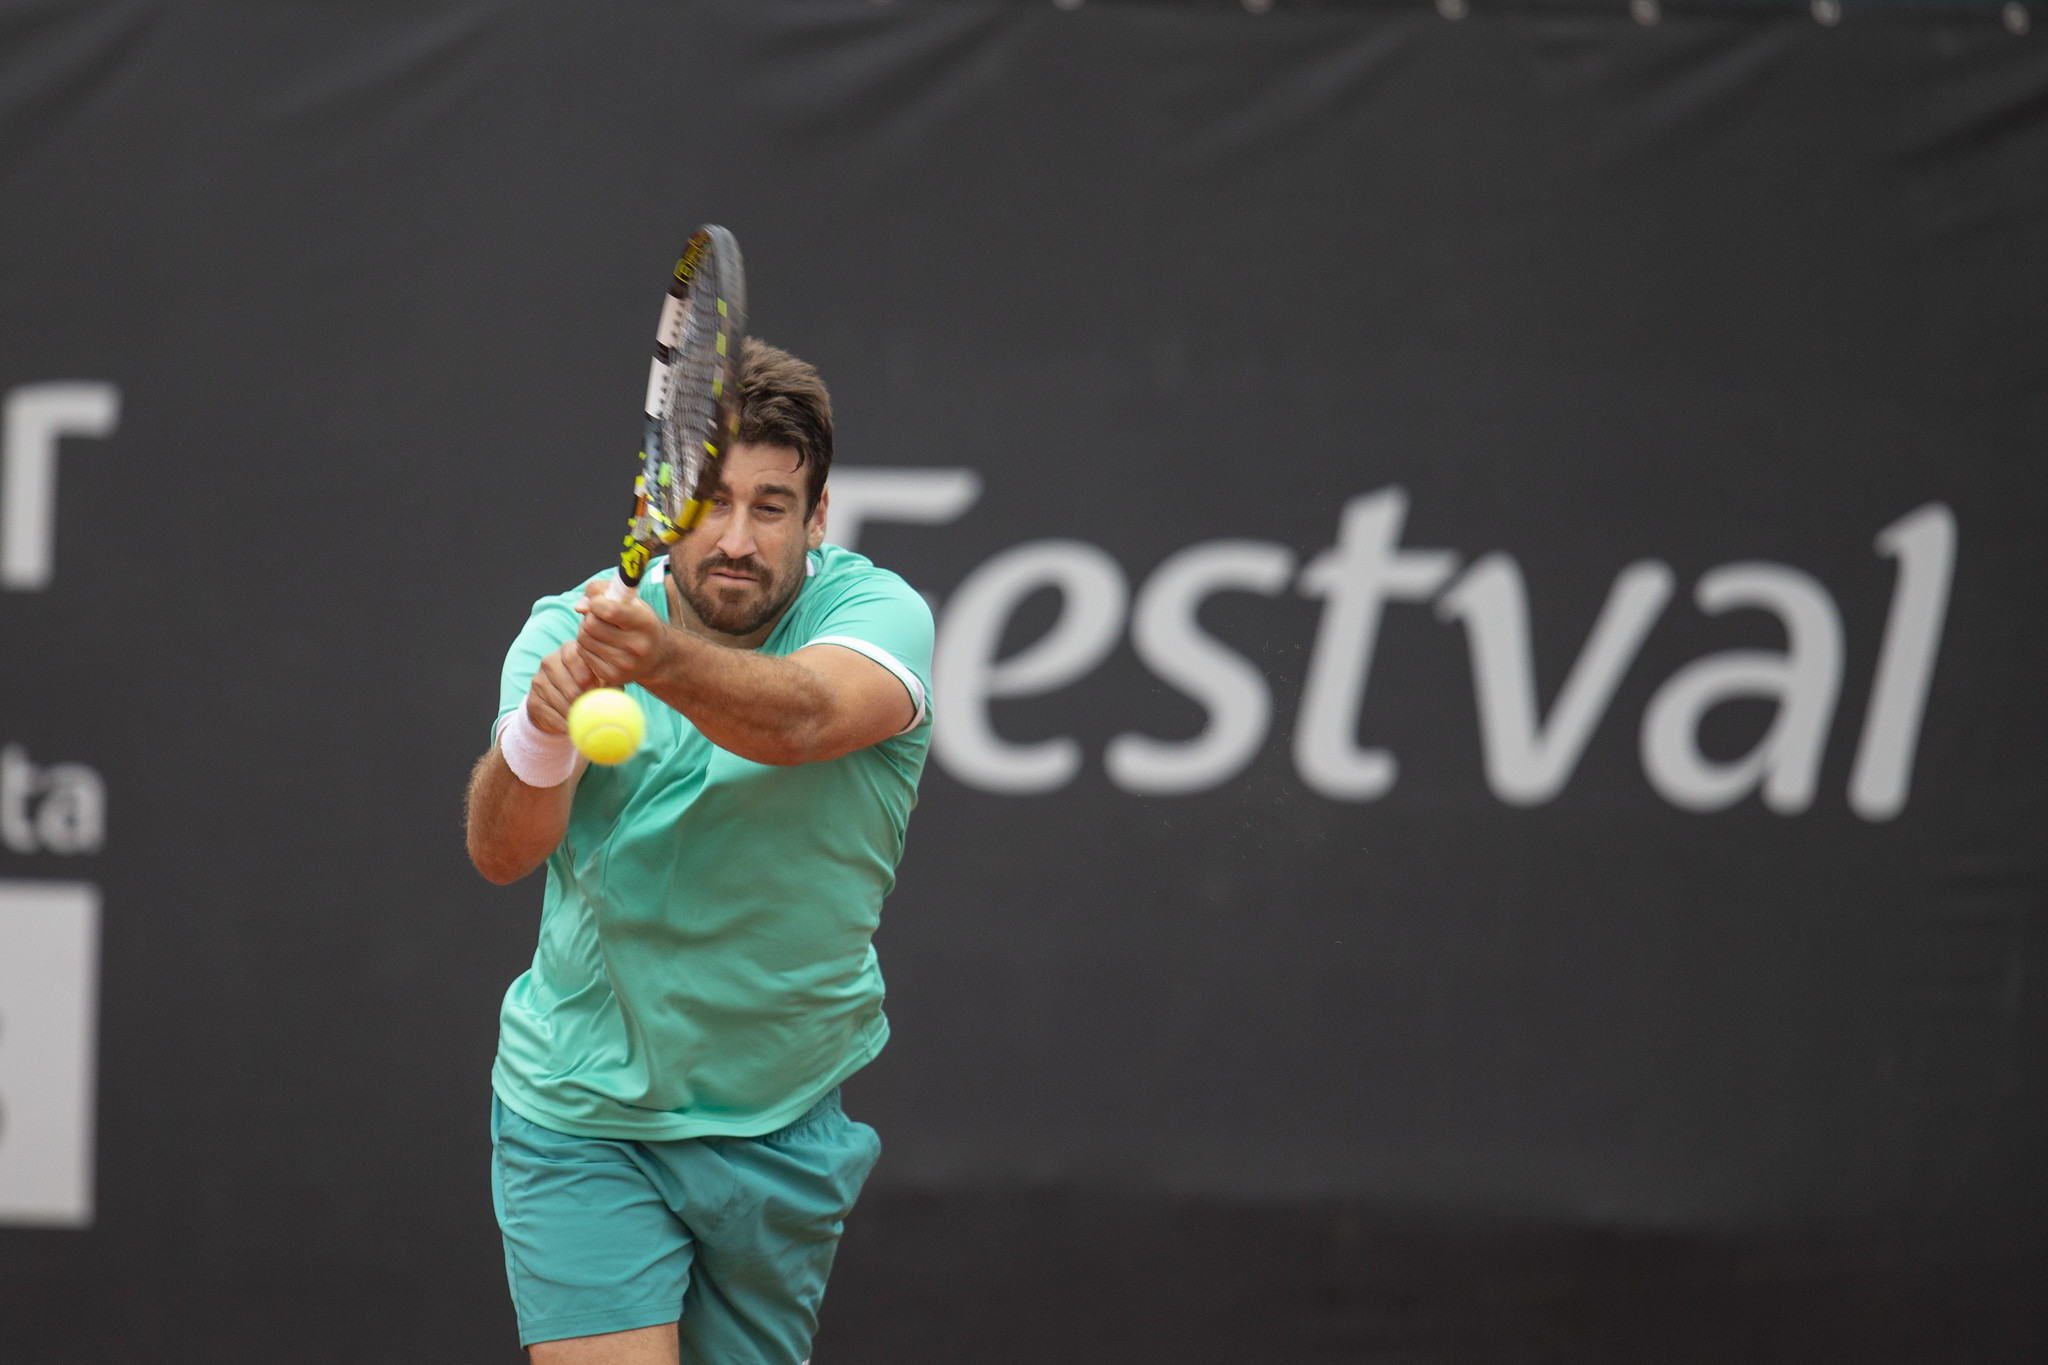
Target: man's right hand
(563,676)
(513,827)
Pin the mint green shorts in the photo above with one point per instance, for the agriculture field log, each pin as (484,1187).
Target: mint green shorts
(730,1238)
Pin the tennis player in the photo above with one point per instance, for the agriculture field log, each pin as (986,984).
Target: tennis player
(671,1166)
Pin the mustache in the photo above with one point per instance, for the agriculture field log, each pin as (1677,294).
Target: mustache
(717,560)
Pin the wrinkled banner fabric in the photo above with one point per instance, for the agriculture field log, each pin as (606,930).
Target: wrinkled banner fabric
(1490,775)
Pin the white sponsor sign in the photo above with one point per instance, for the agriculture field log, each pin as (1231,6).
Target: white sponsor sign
(49,988)
(1530,751)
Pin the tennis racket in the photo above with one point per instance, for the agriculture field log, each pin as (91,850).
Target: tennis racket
(693,399)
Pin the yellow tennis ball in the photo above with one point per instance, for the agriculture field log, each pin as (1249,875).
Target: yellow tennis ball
(606,725)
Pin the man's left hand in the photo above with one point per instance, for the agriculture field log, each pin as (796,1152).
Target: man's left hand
(621,638)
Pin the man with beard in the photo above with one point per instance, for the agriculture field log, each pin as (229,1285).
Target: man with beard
(671,1166)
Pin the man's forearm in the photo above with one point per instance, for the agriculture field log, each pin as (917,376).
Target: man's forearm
(759,706)
(512,827)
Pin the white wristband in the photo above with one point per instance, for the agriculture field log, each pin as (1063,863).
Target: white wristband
(535,757)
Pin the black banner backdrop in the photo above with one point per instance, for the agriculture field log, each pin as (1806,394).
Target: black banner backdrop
(1491,774)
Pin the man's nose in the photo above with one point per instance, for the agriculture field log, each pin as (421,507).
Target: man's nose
(738,540)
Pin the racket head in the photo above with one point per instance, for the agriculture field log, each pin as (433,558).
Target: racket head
(692,410)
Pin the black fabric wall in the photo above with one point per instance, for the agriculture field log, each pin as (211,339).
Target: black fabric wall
(1704,1022)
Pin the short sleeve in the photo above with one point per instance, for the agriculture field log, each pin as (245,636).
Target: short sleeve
(552,625)
(884,618)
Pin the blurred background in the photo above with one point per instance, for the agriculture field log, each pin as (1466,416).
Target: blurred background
(1490,785)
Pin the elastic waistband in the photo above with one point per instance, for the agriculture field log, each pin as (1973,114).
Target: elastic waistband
(824,1108)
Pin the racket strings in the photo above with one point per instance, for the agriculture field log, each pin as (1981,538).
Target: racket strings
(692,401)
(693,395)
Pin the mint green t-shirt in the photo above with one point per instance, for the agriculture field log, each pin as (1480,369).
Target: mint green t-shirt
(704,963)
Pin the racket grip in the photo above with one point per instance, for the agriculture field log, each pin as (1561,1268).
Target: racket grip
(621,590)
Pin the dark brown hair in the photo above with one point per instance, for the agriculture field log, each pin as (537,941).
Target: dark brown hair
(784,403)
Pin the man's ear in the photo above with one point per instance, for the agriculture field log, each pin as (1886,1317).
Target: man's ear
(814,536)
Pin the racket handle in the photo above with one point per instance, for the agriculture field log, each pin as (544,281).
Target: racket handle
(622,591)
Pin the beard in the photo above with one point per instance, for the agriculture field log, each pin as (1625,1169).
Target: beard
(731,608)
